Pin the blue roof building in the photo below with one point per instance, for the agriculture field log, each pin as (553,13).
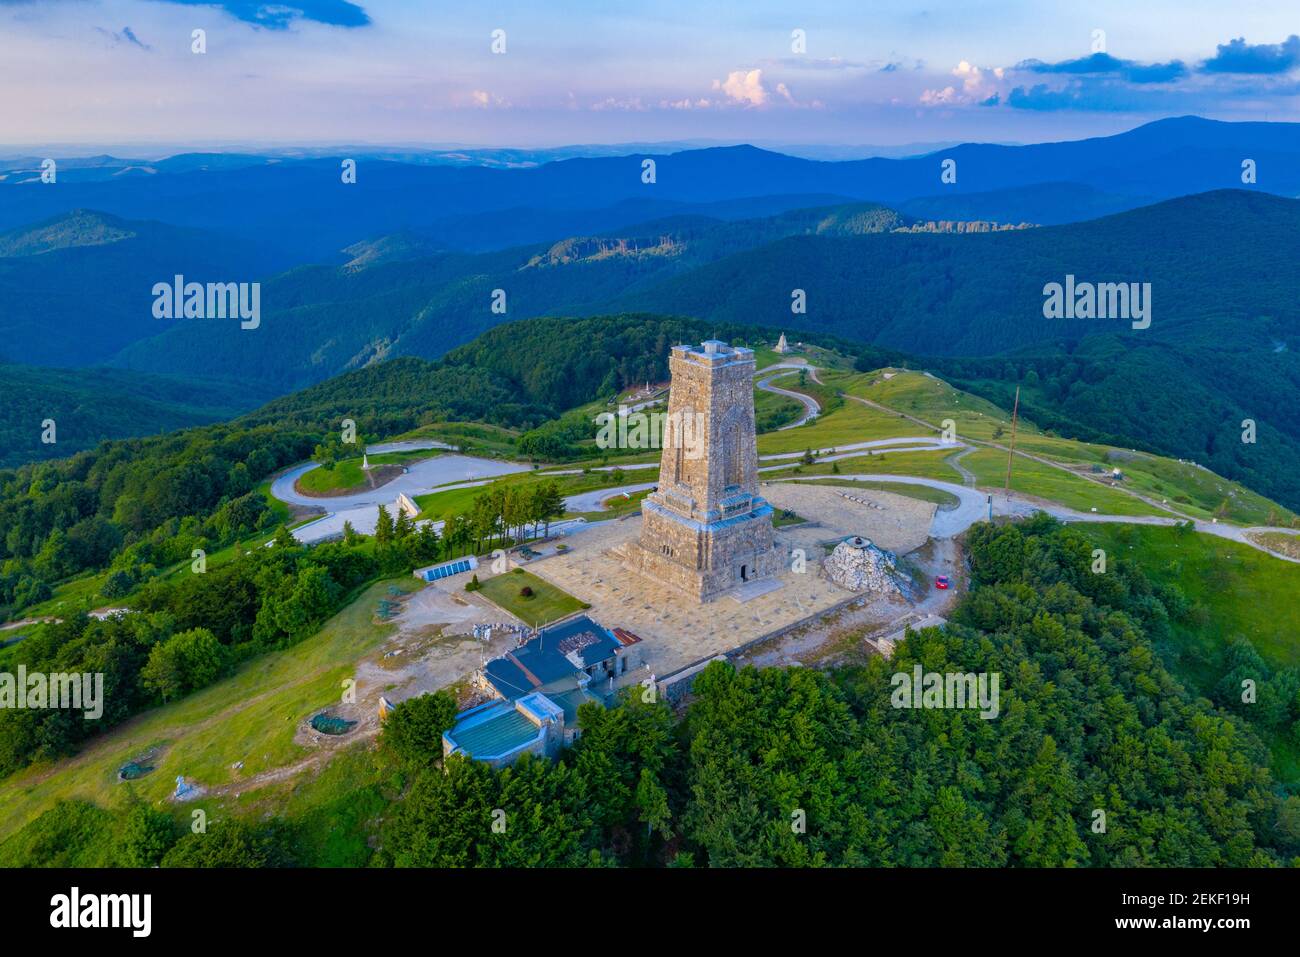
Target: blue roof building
(500,731)
(559,658)
(541,685)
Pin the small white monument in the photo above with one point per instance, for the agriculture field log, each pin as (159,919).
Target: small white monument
(782,346)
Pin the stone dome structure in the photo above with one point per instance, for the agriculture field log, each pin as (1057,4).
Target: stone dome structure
(860,566)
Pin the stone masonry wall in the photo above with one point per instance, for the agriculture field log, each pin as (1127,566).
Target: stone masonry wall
(681,542)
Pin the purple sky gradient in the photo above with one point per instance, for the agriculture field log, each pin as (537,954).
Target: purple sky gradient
(394,71)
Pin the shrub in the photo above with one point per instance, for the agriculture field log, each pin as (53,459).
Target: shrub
(414,730)
(117,585)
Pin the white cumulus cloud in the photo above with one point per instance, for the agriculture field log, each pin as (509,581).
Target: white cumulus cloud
(744,87)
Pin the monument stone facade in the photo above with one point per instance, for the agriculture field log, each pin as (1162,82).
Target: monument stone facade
(706,529)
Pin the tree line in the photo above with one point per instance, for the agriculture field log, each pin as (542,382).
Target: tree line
(1099,756)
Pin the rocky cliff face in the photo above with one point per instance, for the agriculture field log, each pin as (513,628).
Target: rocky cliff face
(960,226)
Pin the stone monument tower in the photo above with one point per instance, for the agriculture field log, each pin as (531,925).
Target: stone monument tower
(706,529)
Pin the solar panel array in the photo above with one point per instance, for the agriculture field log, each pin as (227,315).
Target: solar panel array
(442,571)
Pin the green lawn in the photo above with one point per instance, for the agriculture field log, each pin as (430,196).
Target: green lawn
(616,506)
(477,438)
(1044,481)
(1189,489)
(932,400)
(771,411)
(1245,591)
(348,476)
(924,464)
(851,422)
(824,359)
(922,492)
(334,810)
(250,717)
(453,501)
(546,605)
(783,517)
(1197,491)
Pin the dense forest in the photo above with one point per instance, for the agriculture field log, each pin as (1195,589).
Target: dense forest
(792,767)
(88,406)
(1220,347)
(321,320)
(982,294)
(187,631)
(136,502)
(567,362)
(191,628)
(797,767)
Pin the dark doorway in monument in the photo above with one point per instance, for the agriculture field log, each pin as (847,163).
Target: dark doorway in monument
(744,573)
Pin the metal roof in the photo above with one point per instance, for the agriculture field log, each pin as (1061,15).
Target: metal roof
(558,652)
(494,733)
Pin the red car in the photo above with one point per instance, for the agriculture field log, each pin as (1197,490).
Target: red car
(941,581)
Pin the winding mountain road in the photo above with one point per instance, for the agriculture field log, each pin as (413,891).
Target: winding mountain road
(361,509)
(448,472)
(812,408)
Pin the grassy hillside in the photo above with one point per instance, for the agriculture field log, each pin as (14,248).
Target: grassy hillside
(1189,399)
(1221,343)
(1075,474)
(982,293)
(250,717)
(1233,592)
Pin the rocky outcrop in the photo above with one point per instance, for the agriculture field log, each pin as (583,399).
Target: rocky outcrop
(960,226)
(860,566)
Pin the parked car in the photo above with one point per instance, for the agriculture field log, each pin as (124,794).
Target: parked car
(941,581)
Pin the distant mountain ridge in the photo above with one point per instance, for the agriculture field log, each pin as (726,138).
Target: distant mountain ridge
(322,320)
(982,293)
(974,294)
(419,260)
(313,214)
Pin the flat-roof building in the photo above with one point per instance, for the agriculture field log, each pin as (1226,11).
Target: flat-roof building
(539,686)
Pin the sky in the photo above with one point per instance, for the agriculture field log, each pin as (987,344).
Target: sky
(416,72)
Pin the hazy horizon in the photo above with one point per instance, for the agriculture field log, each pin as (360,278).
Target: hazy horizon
(159,150)
(392,72)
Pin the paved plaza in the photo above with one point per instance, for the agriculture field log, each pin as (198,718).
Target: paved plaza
(677,629)
(896,522)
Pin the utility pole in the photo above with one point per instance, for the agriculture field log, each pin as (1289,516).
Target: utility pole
(1012,451)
